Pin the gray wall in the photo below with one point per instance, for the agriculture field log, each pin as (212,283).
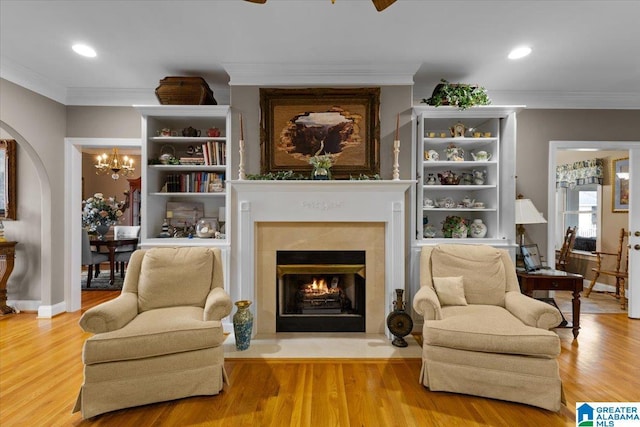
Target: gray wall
(40,126)
(537,127)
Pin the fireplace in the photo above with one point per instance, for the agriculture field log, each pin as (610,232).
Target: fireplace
(320,291)
(269,217)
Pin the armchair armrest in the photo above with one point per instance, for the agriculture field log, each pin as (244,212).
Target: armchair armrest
(531,311)
(218,305)
(110,315)
(426,304)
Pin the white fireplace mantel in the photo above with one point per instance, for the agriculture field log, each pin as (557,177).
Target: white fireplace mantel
(253,202)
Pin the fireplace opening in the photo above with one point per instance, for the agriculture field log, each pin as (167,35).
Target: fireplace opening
(320,291)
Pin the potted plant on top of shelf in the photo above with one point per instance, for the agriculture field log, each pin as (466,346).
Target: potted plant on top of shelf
(459,95)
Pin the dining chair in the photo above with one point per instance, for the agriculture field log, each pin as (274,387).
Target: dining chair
(123,253)
(619,270)
(567,247)
(91,257)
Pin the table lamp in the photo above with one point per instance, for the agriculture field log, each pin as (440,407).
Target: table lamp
(526,213)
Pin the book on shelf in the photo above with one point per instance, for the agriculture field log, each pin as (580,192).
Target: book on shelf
(192,160)
(215,153)
(194,182)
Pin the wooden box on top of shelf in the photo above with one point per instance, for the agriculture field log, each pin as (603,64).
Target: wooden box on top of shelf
(184,91)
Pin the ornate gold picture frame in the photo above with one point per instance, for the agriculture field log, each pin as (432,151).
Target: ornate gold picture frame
(297,124)
(620,190)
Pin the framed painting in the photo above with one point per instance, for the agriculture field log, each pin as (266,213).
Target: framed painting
(620,190)
(8,181)
(297,124)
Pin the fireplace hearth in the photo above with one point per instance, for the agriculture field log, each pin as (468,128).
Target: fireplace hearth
(320,291)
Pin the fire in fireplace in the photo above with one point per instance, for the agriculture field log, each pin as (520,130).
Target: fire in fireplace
(320,291)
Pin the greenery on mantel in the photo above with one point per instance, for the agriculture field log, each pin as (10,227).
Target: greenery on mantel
(278,176)
(459,95)
(292,176)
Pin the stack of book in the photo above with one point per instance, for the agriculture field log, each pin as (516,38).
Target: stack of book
(215,153)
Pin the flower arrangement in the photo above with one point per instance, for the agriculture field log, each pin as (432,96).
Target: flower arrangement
(324,161)
(321,166)
(98,211)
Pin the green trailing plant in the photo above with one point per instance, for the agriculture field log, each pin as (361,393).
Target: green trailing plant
(277,176)
(459,95)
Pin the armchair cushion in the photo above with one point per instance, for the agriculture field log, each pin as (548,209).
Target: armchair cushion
(480,266)
(450,290)
(162,268)
(155,333)
(489,329)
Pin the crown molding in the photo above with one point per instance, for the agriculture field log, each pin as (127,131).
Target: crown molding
(31,80)
(321,74)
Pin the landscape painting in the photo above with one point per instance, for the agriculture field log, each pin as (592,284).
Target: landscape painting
(298,124)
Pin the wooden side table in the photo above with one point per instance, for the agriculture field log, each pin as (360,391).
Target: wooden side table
(7,257)
(554,280)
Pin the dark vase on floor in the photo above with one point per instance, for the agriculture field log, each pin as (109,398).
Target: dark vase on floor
(399,322)
(243,325)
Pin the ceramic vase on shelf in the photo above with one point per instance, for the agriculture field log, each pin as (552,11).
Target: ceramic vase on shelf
(242,325)
(102,231)
(478,229)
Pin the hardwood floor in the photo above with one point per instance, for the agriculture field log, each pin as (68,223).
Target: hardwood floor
(41,372)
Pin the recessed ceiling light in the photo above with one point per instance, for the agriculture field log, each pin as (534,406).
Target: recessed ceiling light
(84,50)
(519,52)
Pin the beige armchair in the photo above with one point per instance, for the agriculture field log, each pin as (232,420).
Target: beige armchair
(161,338)
(481,335)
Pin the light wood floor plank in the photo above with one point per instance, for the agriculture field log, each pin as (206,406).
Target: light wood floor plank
(41,372)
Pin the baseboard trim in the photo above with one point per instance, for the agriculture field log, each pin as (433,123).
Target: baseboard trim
(48,311)
(24,305)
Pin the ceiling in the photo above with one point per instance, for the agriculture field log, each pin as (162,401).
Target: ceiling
(585,54)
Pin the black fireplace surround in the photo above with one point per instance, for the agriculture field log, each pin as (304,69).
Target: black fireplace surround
(320,291)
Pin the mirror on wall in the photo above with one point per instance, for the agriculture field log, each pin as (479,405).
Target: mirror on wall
(8,179)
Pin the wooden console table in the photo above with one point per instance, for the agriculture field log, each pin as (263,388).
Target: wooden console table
(554,280)
(7,257)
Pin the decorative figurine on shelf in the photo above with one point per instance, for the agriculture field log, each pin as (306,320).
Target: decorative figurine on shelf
(455,153)
(213,132)
(481,156)
(458,130)
(431,156)
(477,229)
(399,322)
(479,176)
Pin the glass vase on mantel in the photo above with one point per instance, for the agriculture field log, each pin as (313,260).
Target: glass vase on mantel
(320,173)
(242,325)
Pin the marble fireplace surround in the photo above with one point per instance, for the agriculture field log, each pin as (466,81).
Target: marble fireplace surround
(304,215)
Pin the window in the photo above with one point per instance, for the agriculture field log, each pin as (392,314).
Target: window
(580,206)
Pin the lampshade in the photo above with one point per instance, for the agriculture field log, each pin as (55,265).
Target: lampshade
(526,213)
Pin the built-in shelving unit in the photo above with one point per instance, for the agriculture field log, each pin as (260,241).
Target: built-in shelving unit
(197,172)
(488,182)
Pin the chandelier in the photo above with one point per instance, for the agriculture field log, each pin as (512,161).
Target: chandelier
(114,165)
